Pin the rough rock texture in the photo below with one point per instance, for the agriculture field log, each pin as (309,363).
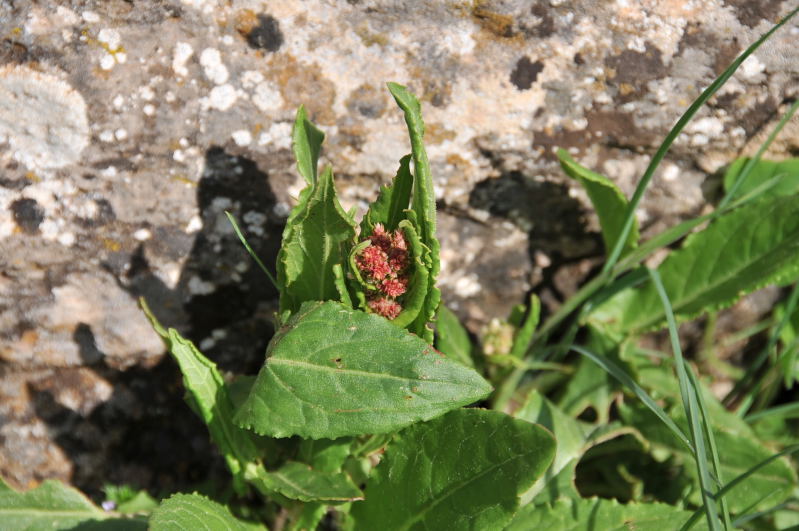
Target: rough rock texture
(128,128)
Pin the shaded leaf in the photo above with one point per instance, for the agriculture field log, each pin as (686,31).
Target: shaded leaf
(53,505)
(747,249)
(299,481)
(738,453)
(452,338)
(196,512)
(464,470)
(306,141)
(600,515)
(316,239)
(608,201)
(333,371)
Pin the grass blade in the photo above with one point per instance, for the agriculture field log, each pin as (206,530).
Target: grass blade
(675,132)
(250,250)
(754,160)
(693,411)
(625,379)
(740,479)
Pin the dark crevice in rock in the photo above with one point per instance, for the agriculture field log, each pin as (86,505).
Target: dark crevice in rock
(28,215)
(266,35)
(525,73)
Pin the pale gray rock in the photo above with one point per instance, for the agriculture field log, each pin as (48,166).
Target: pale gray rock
(128,128)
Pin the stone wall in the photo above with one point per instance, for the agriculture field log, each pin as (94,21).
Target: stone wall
(128,128)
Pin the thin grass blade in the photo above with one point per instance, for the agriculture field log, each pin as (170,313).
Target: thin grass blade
(250,250)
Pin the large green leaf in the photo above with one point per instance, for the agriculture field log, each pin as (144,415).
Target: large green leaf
(607,199)
(737,452)
(784,173)
(198,513)
(464,470)
(208,395)
(316,239)
(596,514)
(452,338)
(745,250)
(389,207)
(306,143)
(333,371)
(299,481)
(423,204)
(53,505)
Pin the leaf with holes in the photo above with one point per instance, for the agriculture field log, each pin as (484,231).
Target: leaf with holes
(333,371)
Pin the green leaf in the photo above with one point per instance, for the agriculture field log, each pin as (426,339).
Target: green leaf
(389,208)
(526,327)
(299,481)
(326,455)
(208,394)
(53,505)
(598,514)
(464,470)
(418,290)
(608,200)
(452,338)
(306,141)
(785,173)
(333,371)
(317,238)
(196,512)
(745,250)
(738,453)
(423,204)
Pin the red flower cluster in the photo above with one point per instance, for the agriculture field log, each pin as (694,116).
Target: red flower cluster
(384,264)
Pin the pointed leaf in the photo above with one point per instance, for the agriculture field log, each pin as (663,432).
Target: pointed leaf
(389,208)
(599,514)
(299,481)
(452,338)
(210,399)
(745,250)
(306,143)
(464,470)
(318,238)
(334,371)
(423,204)
(196,512)
(608,200)
(785,173)
(53,505)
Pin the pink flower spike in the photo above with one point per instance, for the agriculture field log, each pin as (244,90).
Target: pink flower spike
(385,307)
(381,238)
(394,287)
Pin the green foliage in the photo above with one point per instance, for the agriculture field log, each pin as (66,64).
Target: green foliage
(595,513)
(333,371)
(608,201)
(193,511)
(53,505)
(464,470)
(747,249)
(355,415)
(317,238)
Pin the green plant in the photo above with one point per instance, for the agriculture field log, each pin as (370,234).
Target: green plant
(361,410)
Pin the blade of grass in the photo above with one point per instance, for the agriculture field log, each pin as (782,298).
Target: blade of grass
(674,133)
(790,411)
(747,169)
(693,411)
(738,480)
(754,367)
(246,245)
(625,379)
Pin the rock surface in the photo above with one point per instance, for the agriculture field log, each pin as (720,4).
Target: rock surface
(128,128)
